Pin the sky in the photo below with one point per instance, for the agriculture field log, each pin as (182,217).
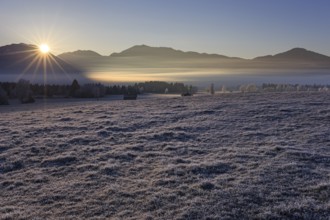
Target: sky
(239,28)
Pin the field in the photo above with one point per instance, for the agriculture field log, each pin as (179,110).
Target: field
(228,156)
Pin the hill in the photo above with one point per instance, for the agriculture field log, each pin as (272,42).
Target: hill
(296,57)
(25,58)
(143,56)
(297,54)
(164,52)
(82,53)
(85,59)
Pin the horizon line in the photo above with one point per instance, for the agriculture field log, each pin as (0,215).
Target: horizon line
(169,47)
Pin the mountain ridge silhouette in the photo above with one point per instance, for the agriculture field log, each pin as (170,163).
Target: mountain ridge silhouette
(296,54)
(26,58)
(18,58)
(143,56)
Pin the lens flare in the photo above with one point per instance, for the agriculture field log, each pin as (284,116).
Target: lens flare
(44,48)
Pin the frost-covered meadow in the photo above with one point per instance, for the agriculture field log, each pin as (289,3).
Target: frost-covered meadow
(228,156)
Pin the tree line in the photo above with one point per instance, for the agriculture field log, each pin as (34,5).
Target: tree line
(27,92)
(272,87)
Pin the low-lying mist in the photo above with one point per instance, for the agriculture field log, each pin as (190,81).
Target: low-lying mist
(203,77)
(198,77)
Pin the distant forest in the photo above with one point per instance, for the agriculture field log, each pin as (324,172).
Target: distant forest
(96,90)
(26,92)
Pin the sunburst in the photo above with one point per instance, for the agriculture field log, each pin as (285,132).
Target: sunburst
(42,59)
(44,48)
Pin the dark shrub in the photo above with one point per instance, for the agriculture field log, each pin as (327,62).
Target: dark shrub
(3,97)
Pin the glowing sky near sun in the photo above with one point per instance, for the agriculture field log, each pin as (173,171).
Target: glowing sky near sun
(244,28)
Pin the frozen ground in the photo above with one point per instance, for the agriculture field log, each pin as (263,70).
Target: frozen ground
(231,156)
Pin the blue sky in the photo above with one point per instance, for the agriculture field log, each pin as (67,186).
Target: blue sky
(244,28)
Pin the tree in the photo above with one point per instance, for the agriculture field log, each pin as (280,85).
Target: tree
(212,89)
(224,89)
(92,91)
(23,91)
(74,89)
(3,97)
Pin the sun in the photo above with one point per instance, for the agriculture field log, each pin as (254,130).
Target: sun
(44,48)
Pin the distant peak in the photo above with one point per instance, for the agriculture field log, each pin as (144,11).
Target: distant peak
(20,47)
(87,53)
(302,52)
(296,54)
(145,50)
(298,49)
(19,44)
(142,45)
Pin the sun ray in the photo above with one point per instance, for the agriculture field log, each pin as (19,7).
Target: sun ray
(21,52)
(29,66)
(51,68)
(55,61)
(35,72)
(44,70)
(38,61)
(23,59)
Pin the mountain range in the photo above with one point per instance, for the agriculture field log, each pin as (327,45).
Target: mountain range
(25,58)
(143,56)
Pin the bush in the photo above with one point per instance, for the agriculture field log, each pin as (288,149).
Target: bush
(3,97)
